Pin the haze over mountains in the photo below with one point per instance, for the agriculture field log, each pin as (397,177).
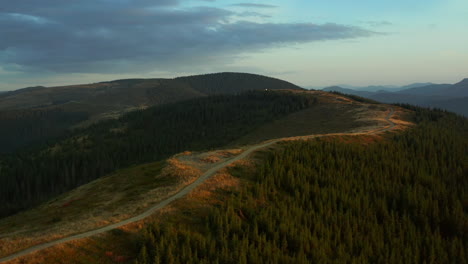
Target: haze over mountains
(451,97)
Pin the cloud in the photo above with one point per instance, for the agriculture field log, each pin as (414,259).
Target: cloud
(252,14)
(381,23)
(254,5)
(113,36)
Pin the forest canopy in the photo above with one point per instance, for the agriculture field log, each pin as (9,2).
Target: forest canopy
(400,200)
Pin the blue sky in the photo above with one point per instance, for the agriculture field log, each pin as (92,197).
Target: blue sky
(311,43)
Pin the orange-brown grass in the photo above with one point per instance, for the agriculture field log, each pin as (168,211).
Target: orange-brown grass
(112,247)
(358,139)
(177,167)
(100,203)
(330,114)
(211,159)
(402,118)
(116,246)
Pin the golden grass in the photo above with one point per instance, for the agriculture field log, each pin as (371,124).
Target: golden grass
(107,200)
(331,114)
(112,247)
(99,203)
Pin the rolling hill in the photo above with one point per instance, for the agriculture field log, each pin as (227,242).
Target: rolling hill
(37,114)
(140,136)
(120,94)
(380,189)
(127,156)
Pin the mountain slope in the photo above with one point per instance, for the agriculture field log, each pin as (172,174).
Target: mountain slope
(137,137)
(140,92)
(427,90)
(344,200)
(415,85)
(457,90)
(77,200)
(107,100)
(287,205)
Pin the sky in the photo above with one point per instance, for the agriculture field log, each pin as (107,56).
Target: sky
(312,43)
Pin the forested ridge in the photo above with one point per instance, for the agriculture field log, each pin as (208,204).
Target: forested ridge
(35,115)
(30,177)
(230,82)
(400,200)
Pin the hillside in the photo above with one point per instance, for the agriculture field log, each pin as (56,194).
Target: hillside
(160,131)
(72,212)
(37,114)
(137,137)
(337,200)
(382,202)
(139,92)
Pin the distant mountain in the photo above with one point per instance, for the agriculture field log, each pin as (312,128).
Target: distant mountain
(382,88)
(457,90)
(376,88)
(415,85)
(446,96)
(121,94)
(37,113)
(347,91)
(431,89)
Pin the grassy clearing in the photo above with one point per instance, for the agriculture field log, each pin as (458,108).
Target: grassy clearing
(99,203)
(104,201)
(120,245)
(331,114)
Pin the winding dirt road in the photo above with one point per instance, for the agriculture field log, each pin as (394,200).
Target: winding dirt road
(180,194)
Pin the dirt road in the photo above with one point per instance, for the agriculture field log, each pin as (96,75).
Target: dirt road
(178,195)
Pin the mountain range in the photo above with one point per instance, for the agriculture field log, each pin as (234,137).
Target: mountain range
(451,97)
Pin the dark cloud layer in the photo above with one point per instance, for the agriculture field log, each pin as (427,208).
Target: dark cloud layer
(255,5)
(104,36)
